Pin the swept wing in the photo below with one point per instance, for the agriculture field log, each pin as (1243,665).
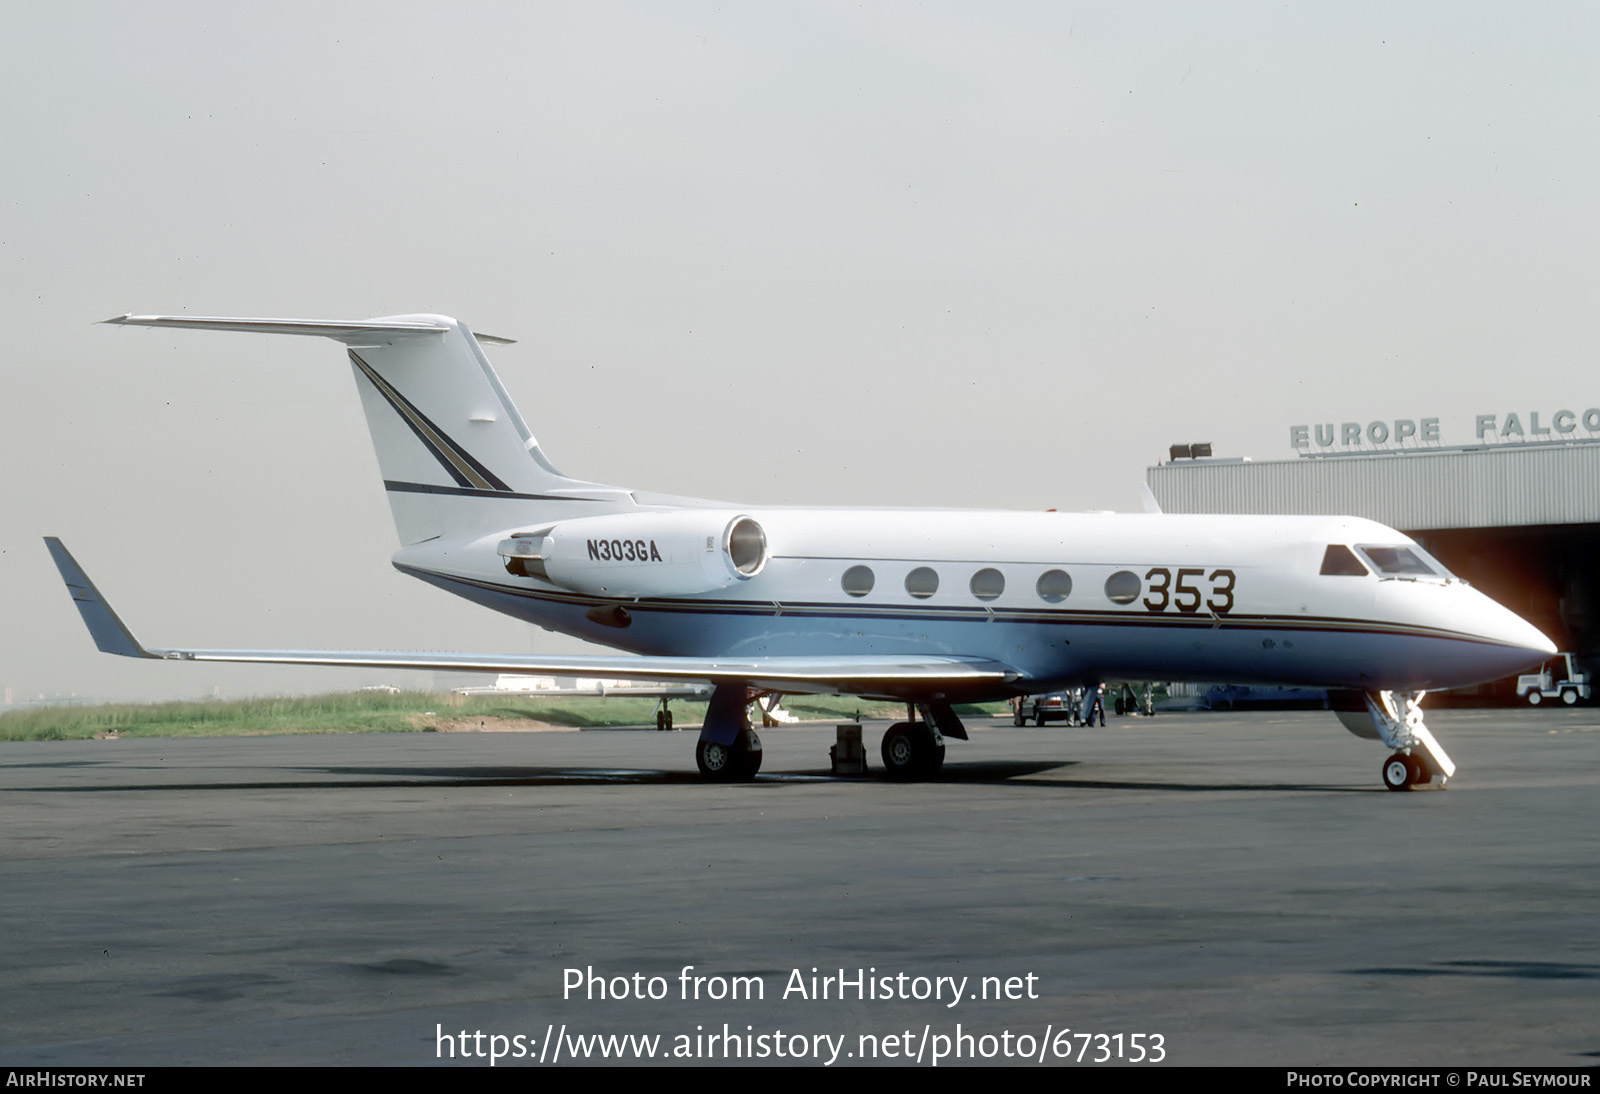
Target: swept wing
(864,674)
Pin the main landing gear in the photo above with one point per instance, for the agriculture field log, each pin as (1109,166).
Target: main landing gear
(726,763)
(912,750)
(728,749)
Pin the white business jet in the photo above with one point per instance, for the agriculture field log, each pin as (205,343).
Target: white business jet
(927,607)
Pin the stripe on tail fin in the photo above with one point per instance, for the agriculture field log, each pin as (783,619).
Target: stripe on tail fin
(456,461)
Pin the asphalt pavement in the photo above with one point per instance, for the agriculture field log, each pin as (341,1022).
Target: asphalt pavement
(1206,888)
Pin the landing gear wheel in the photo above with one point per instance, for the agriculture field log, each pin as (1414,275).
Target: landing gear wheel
(909,752)
(899,753)
(1421,773)
(749,758)
(721,763)
(1398,772)
(714,760)
(663,720)
(1534,698)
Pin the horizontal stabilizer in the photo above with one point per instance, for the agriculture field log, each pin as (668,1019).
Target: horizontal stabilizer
(350,332)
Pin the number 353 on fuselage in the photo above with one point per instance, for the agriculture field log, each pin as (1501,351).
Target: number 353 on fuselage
(928,607)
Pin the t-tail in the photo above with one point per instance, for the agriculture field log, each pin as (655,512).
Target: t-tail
(456,457)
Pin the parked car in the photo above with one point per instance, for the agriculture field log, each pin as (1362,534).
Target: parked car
(1057,706)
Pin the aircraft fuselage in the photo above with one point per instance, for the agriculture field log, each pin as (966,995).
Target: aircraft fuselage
(1064,597)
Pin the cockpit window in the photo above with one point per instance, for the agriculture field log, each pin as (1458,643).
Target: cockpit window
(1340,561)
(1397,560)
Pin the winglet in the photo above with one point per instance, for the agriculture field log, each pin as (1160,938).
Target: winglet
(108,631)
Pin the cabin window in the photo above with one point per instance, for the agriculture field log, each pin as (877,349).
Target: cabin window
(922,582)
(1396,560)
(857,580)
(1054,586)
(1340,561)
(988,583)
(1123,586)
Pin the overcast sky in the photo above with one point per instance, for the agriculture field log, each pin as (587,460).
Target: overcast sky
(887,253)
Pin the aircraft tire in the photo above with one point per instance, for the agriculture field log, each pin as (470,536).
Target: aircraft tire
(715,761)
(909,752)
(720,763)
(1397,771)
(899,750)
(749,755)
(1421,773)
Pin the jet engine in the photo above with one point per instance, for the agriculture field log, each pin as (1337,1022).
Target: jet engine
(672,553)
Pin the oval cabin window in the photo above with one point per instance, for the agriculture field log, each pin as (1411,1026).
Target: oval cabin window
(857,581)
(988,583)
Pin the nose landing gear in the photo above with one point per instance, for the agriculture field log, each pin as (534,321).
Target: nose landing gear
(1418,757)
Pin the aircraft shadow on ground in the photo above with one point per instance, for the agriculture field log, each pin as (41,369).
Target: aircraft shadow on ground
(1019,773)
(410,778)
(1516,970)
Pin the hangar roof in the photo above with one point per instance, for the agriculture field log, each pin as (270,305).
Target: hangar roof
(1490,486)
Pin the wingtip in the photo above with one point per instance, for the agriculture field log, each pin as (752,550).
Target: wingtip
(109,632)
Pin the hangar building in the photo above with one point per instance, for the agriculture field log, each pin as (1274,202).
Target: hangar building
(1518,519)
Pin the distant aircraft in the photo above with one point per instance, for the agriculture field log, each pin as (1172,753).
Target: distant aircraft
(928,607)
(549,687)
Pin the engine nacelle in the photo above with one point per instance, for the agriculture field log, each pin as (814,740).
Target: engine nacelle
(675,553)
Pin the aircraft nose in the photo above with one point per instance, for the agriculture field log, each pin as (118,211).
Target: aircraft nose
(1525,645)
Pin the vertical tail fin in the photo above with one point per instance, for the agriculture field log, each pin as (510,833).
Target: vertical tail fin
(444,429)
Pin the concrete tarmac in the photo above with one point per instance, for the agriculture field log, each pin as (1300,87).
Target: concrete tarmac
(1240,886)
